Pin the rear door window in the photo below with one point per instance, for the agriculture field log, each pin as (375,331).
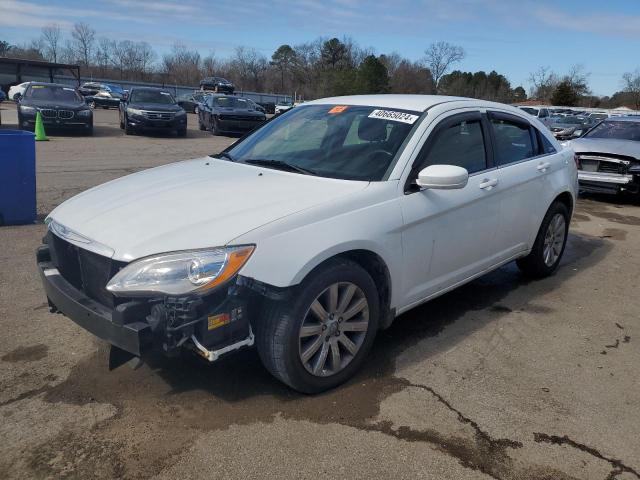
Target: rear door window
(514,140)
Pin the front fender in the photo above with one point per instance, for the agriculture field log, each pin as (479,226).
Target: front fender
(287,250)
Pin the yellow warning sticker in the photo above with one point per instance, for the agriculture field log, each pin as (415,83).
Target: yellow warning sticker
(217,321)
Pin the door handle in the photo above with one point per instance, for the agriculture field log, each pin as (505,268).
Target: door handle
(543,166)
(488,184)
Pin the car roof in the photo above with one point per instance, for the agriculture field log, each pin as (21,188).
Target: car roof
(403,102)
(47,84)
(633,119)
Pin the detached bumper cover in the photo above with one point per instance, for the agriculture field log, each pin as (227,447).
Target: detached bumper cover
(109,325)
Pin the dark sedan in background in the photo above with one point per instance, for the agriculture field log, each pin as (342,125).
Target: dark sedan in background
(227,114)
(608,156)
(191,101)
(109,96)
(60,106)
(217,85)
(146,108)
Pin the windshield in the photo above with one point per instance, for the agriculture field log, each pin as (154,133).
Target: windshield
(230,102)
(616,130)
(532,111)
(116,89)
(336,141)
(151,96)
(52,93)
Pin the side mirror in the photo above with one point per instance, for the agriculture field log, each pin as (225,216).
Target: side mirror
(443,177)
(17,97)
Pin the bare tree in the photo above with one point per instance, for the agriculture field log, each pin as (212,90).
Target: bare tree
(250,66)
(182,66)
(83,42)
(51,40)
(439,58)
(543,83)
(104,55)
(578,79)
(631,82)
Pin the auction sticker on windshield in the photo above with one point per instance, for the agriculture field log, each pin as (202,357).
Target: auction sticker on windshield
(395,116)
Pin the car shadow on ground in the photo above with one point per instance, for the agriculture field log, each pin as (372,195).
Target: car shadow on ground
(241,377)
(181,398)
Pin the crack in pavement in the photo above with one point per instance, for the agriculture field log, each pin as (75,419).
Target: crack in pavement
(619,467)
(500,442)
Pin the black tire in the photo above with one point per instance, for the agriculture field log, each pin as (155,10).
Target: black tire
(533,265)
(182,132)
(214,129)
(277,331)
(127,129)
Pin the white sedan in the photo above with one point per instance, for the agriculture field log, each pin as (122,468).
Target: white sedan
(312,233)
(17,91)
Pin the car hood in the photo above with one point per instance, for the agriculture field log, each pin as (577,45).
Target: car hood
(52,104)
(627,148)
(156,107)
(193,204)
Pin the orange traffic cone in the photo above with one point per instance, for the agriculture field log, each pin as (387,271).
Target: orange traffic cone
(40,135)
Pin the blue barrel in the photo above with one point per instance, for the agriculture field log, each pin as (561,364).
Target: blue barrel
(17,177)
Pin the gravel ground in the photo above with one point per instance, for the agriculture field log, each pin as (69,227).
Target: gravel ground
(503,378)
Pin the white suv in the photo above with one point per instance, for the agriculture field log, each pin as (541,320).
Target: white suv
(312,233)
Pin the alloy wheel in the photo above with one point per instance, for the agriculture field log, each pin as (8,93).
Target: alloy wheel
(334,329)
(554,239)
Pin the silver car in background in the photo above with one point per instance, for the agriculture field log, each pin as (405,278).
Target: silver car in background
(608,156)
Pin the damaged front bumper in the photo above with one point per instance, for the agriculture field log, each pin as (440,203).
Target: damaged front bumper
(212,325)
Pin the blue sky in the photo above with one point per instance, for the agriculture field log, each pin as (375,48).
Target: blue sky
(513,37)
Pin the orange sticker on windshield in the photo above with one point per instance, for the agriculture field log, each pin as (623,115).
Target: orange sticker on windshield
(338,109)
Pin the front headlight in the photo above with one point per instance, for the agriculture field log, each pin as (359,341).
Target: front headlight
(84,113)
(181,113)
(134,111)
(181,273)
(27,109)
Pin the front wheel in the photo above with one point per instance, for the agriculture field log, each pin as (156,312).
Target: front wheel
(320,338)
(127,128)
(214,129)
(545,256)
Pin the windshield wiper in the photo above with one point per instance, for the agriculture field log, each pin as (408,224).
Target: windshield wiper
(223,155)
(280,165)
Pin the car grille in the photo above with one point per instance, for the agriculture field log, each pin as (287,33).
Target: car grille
(603,164)
(52,113)
(85,270)
(158,115)
(243,118)
(65,114)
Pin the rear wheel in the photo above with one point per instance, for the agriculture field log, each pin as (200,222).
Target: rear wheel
(545,256)
(320,339)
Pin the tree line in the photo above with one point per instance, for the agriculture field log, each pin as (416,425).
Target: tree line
(322,67)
